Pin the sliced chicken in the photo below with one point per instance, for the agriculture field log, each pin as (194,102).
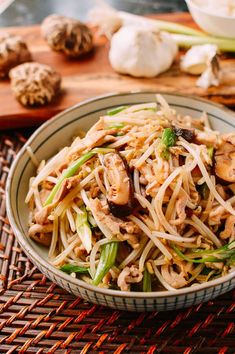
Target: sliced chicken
(229,230)
(41,233)
(129,275)
(124,230)
(225,159)
(90,141)
(174,279)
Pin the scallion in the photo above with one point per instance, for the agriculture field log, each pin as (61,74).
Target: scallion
(106,262)
(83,229)
(223,44)
(147,283)
(116,110)
(221,254)
(72,268)
(168,139)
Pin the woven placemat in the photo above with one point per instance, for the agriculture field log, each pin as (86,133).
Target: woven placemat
(36,316)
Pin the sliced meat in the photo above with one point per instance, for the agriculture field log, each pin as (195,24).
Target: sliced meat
(180,209)
(66,185)
(207,138)
(229,230)
(215,215)
(41,217)
(128,276)
(174,279)
(90,141)
(225,159)
(41,233)
(124,230)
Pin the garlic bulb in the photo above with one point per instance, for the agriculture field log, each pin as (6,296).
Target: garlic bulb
(140,52)
(196,60)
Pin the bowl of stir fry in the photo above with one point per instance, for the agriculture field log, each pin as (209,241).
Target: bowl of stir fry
(127,200)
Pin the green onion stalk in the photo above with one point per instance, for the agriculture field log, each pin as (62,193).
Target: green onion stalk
(147,283)
(73,268)
(83,229)
(225,254)
(107,260)
(187,41)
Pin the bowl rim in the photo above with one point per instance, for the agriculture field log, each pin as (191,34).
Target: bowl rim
(31,252)
(225,17)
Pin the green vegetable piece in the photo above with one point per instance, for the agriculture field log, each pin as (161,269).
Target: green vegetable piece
(83,229)
(115,126)
(210,151)
(116,110)
(107,260)
(147,283)
(72,268)
(71,170)
(168,137)
(221,254)
(168,140)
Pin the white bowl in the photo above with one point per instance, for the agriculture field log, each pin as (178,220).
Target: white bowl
(58,132)
(217,25)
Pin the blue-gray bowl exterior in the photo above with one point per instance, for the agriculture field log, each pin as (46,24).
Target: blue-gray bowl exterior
(58,132)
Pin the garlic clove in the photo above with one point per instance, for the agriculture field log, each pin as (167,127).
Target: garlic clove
(211,76)
(195,61)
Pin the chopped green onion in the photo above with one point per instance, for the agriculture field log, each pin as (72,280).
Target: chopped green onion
(168,137)
(153,109)
(107,260)
(168,140)
(116,110)
(71,170)
(210,151)
(72,268)
(115,126)
(83,229)
(147,284)
(223,44)
(221,254)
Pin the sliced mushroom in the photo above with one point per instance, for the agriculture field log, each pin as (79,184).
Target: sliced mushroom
(120,194)
(187,134)
(225,160)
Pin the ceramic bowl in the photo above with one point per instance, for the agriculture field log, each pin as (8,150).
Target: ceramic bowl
(215,24)
(58,132)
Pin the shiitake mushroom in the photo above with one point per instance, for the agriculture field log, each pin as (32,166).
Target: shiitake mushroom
(120,195)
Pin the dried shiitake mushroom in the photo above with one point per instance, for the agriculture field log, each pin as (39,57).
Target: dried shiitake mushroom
(67,35)
(13,51)
(34,83)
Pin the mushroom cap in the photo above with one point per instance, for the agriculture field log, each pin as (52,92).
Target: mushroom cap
(67,35)
(34,83)
(13,51)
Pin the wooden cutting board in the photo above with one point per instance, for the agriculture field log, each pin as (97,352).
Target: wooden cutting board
(93,75)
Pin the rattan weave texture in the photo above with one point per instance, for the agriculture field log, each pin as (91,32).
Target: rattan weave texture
(36,316)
